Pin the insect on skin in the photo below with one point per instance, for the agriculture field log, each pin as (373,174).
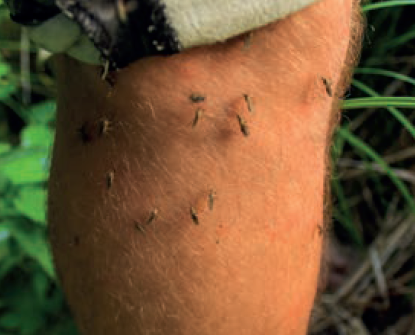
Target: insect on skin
(140,228)
(328,85)
(153,216)
(194,216)
(249,103)
(212,197)
(197,98)
(105,126)
(198,116)
(110,179)
(243,125)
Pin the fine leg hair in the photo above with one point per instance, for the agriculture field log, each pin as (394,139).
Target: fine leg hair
(246,263)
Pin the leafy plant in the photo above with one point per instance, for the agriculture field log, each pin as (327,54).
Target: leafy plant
(31,301)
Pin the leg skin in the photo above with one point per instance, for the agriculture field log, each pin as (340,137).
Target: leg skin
(161,223)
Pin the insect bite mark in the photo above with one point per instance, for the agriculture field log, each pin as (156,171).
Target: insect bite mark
(75,241)
(87,132)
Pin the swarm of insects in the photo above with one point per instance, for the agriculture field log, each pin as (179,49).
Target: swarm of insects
(243,125)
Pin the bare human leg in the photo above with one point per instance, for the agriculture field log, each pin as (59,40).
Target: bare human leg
(175,215)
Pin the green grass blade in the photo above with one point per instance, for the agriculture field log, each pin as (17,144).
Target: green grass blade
(367,151)
(344,215)
(380,102)
(387,4)
(400,40)
(396,113)
(386,73)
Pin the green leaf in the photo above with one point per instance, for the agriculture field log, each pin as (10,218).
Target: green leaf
(4,147)
(6,85)
(32,241)
(31,202)
(23,308)
(23,166)
(8,257)
(4,183)
(10,321)
(40,286)
(36,136)
(42,113)
(5,69)
(4,243)
(65,327)
(7,208)
(4,235)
